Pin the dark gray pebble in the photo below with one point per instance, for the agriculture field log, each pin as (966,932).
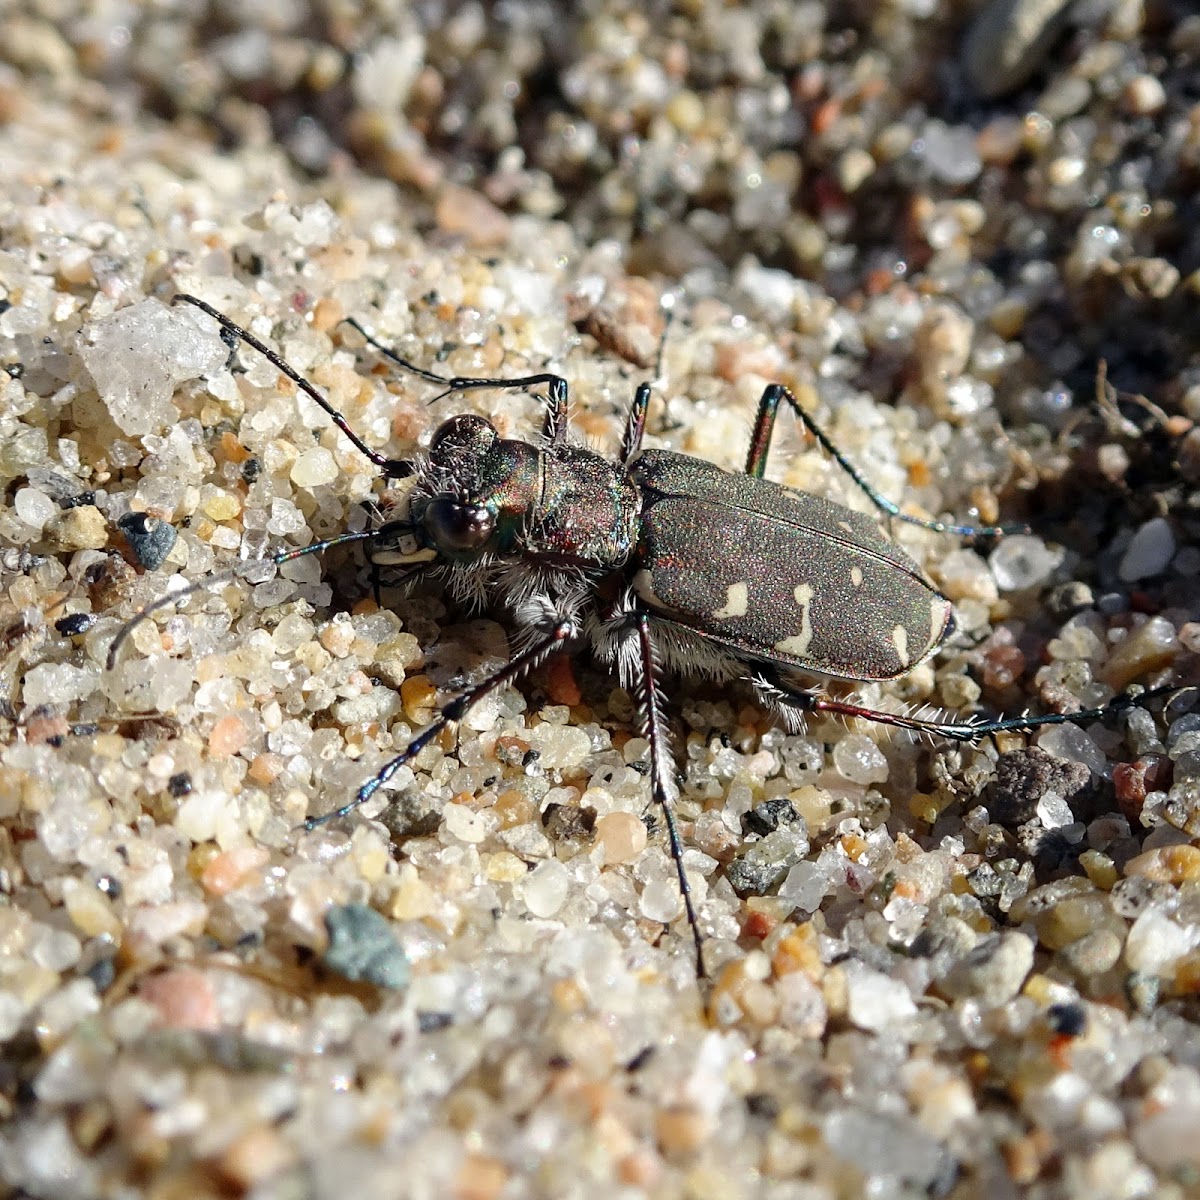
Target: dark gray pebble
(149,538)
(1008,41)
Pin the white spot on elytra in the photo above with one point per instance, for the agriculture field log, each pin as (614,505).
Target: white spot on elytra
(797,644)
(900,641)
(737,600)
(856,577)
(941,610)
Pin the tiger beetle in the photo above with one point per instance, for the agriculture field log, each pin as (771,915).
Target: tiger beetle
(658,562)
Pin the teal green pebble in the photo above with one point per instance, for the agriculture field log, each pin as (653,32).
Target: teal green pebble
(363,948)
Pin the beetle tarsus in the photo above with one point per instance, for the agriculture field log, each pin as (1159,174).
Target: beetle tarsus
(975,728)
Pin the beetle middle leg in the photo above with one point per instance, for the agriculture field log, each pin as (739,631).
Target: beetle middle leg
(760,444)
(663,783)
(635,423)
(635,419)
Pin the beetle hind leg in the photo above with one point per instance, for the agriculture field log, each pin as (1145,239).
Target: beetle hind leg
(792,706)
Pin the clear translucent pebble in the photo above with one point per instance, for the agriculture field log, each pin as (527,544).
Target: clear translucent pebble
(35,508)
(660,900)
(1188,723)
(1167,1121)
(1186,755)
(11,1012)
(546,888)
(950,151)
(560,746)
(137,356)
(805,886)
(1054,812)
(285,518)
(1156,941)
(57,951)
(467,826)
(1071,742)
(964,575)
(858,759)
(881,1144)
(58,683)
(803,759)
(63,829)
(1020,562)
(874,1000)
(313,468)
(45,1158)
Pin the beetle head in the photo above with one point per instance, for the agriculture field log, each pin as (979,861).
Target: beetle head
(468,499)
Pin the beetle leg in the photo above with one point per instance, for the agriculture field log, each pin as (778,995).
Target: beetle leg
(760,444)
(635,423)
(793,705)
(557,398)
(454,710)
(662,763)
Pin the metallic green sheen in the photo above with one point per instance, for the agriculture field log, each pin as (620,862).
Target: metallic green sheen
(509,485)
(588,512)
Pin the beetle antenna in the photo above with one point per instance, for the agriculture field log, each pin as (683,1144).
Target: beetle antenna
(456,383)
(760,441)
(393,468)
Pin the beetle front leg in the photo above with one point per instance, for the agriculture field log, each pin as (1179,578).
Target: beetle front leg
(764,428)
(662,763)
(232,332)
(454,710)
(760,444)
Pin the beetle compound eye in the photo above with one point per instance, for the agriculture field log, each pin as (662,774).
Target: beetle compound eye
(458,528)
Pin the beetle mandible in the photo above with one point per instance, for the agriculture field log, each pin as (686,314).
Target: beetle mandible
(656,561)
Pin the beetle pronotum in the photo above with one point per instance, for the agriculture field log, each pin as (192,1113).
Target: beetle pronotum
(655,560)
